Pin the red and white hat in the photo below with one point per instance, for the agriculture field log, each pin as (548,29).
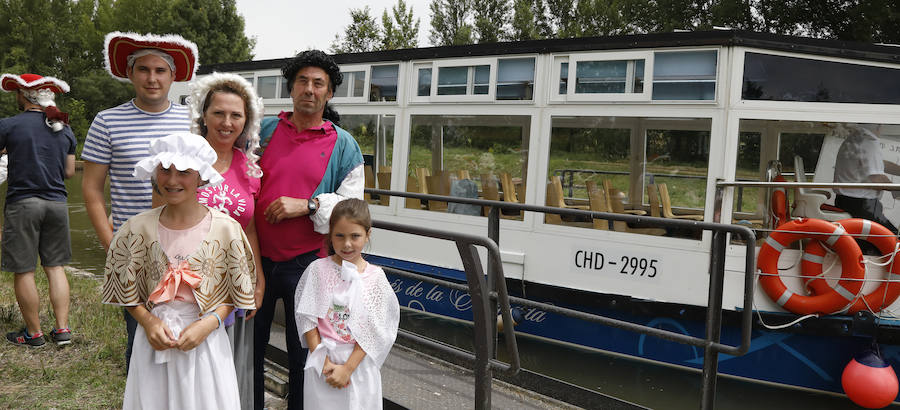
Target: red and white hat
(119,46)
(12,82)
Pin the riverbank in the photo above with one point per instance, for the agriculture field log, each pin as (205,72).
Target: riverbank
(89,373)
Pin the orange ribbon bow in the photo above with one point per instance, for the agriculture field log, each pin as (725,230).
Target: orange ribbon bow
(168,286)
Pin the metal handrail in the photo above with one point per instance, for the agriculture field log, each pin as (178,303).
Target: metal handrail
(482,312)
(847,185)
(710,343)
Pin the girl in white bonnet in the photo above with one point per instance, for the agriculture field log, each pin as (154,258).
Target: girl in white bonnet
(179,269)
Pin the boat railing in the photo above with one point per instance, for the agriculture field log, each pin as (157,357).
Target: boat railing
(486,295)
(495,287)
(847,185)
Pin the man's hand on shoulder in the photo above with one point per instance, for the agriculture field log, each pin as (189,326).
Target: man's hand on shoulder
(286,207)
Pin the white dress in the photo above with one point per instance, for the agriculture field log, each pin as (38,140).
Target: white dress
(374,315)
(202,378)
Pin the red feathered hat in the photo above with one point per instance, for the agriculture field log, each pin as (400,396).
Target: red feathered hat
(120,45)
(12,82)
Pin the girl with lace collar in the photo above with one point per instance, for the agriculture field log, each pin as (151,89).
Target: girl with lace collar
(179,269)
(347,316)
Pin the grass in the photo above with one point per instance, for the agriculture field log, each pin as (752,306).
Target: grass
(89,373)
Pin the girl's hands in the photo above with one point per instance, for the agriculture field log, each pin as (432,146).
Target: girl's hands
(336,375)
(159,335)
(196,333)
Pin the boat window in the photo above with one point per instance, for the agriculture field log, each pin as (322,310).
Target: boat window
(787,146)
(354,82)
(609,77)
(515,79)
(384,83)
(613,76)
(685,75)
(423,88)
(782,78)
(375,135)
(639,166)
(563,78)
(464,80)
(248,76)
(472,156)
(267,86)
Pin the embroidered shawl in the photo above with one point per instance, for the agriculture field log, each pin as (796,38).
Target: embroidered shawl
(374,309)
(136,263)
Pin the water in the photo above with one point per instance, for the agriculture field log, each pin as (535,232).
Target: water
(652,385)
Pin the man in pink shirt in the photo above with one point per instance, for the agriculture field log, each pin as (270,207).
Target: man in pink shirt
(309,165)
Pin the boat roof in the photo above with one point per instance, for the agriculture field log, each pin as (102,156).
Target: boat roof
(823,47)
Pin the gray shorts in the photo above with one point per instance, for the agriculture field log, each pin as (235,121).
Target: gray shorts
(32,227)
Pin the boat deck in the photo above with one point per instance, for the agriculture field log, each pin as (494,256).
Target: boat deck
(417,381)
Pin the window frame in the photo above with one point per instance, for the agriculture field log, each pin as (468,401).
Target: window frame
(461,62)
(345,70)
(574,59)
(720,77)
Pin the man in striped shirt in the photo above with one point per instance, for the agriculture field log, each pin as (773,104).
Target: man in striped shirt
(120,136)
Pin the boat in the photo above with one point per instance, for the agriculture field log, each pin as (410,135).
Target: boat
(696,126)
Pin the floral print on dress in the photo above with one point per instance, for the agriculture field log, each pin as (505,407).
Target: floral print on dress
(209,261)
(339,316)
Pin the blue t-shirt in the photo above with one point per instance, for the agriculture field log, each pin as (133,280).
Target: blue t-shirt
(37,157)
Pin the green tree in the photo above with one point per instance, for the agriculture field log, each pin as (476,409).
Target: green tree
(363,33)
(451,22)
(599,18)
(399,29)
(64,39)
(524,23)
(492,19)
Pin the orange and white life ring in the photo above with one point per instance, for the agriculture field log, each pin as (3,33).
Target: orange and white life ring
(872,232)
(832,299)
(779,203)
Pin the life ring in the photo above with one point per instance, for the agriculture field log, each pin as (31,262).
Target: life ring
(779,203)
(832,299)
(872,232)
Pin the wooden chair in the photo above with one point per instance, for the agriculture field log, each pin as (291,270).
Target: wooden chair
(619,207)
(509,190)
(421,181)
(553,199)
(438,184)
(413,186)
(489,190)
(667,205)
(556,182)
(653,196)
(609,190)
(598,204)
(369,182)
(384,182)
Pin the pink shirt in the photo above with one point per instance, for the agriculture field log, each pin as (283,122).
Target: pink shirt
(293,165)
(179,244)
(235,196)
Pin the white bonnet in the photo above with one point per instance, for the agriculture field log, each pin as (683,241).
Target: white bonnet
(185,151)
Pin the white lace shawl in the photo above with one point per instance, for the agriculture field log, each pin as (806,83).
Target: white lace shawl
(374,309)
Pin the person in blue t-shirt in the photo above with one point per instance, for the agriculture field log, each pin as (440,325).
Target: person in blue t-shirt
(41,150)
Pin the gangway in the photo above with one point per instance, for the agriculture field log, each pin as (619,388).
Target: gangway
(488,292)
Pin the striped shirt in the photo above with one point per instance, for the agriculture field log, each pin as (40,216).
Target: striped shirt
(120,137)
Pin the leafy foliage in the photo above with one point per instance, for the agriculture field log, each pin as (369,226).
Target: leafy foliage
(64,39)
(362,35)
(399,29)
